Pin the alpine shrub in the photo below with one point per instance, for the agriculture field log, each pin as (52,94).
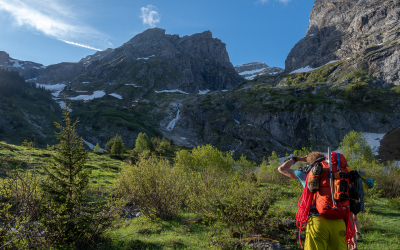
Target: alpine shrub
(142,143)
(153,185)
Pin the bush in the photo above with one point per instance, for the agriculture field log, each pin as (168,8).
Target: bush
(269,171)
(115,146)
(20,202)
(165,145)
(356,149)
(237,202)
(394,203)
(360,156)
(204,158)
(366,219)
(142,143)
(154,186)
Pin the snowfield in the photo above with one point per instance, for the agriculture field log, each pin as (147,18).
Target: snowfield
(54,89)
(202,92)
(172,91)
(252,71)
(116,95)
(96,94)
(308,68)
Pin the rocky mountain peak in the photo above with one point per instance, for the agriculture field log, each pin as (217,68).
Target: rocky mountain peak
(4,57)
(148,35)
(340,29)
(155,60)
(26,69)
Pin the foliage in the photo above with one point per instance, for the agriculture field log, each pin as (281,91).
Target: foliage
(395,203)
(115,146)
(142,143)
(154,185)
(356,149)
(20,200)
(97,148)
(204,158)
(165,145)
(366,219)
(235,201)
(69,217)
(359,155)
(269,171)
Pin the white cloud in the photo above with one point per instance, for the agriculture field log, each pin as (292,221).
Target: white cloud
(80,45)
(150,16)
(51,18)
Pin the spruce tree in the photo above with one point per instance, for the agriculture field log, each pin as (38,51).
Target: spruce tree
(67,180)
(97,148)
(142,142)
(118,147)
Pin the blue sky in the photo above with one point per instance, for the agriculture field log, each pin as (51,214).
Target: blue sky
(53,31)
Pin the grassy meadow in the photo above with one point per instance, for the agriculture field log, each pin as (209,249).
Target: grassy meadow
(191,228)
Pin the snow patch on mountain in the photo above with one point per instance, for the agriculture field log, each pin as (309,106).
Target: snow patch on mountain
(251,71)
(308,68)
(172,91)
(116,95)
(96,94)
(202,92)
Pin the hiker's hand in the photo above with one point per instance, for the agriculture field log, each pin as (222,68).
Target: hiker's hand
(353,244)
(304,158)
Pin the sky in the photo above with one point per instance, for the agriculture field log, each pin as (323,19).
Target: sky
(54,31)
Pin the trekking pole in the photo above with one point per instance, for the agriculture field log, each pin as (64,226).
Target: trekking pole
(331,177)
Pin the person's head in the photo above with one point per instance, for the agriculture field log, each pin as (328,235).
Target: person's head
(313,156)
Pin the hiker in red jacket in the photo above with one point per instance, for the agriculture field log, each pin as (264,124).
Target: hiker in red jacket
(322,233)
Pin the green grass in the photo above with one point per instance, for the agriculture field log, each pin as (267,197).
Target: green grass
(142,233)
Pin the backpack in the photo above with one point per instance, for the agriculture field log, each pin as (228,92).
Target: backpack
(357,191)
(338,206)
(332,197)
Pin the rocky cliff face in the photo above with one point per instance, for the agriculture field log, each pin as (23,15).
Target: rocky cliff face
(26,69)
(341,29)
(253,69)
(154,60)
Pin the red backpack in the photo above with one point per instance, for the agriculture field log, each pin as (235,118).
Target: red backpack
(339,207)
(332,197)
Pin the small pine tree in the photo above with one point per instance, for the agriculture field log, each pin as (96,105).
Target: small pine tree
(115,146)
(97,148)
(67,179)
(72,217)
(142,143)
(118,147)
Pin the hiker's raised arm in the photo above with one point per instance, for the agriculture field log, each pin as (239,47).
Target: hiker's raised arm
(285,167)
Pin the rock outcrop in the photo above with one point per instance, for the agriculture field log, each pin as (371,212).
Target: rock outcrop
(26,69)
(154,61)
(253,69)
(341,29)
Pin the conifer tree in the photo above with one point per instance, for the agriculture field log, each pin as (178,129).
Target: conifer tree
(67,179)
(115,146)
(142,142)
(97,148)
(118,148)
